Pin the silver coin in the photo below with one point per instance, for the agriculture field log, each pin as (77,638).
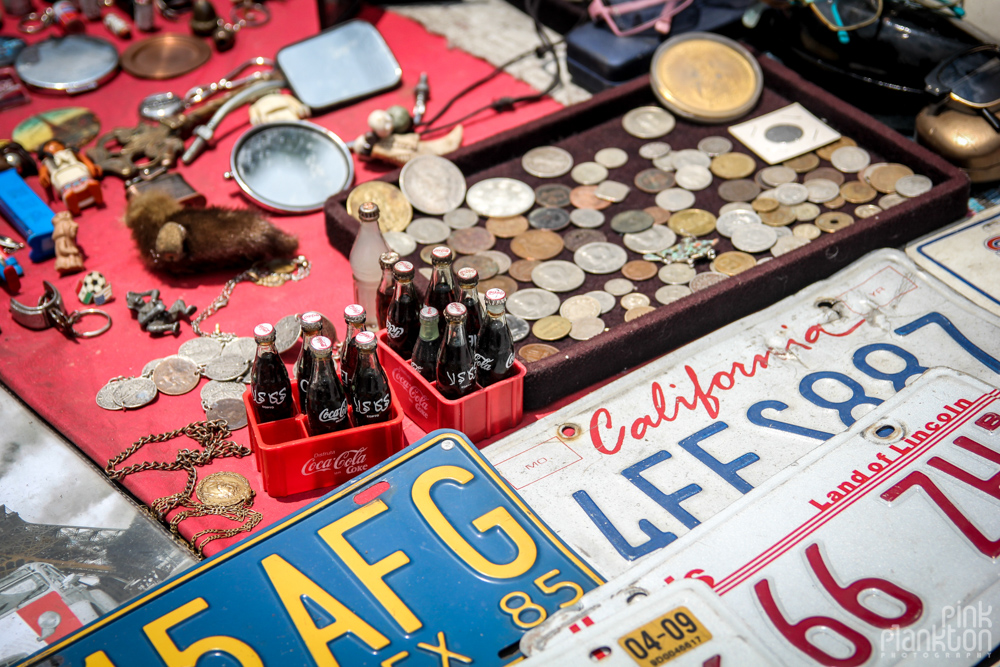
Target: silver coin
(552,219)
(654,239)
(588,173)
(428,231)
(694,177)
(729,222)
(888,201)
(653,150)
(822,190)
(532,304)
(577,238)
(675,199)
(676,273)
(501,259)
(611,158)
(400,242)
(619,286)
(689,157)
(150,366)
(580,307)
(807,231)
(754,238)
(107,397)
(547,162)
(558,275)
(286,331)
(201,350)
(791,194)
(600,258)
(850,159)
(664,162)
(775,176)
(867,211)
(787,244)
(433,184)
(519,329)
(178,375)
(242,347)
(648,122)
(233,410)
(913,186)
(214,390)
(634,300)
(782,232)
(670,293)
(714,146)
(736,206)
(606,299)
(135,392)
(225,368)
(706,280)
(500,197)
(460,218)
(586,218)
(426,272)
(586,328)
(612,191)
(806,211)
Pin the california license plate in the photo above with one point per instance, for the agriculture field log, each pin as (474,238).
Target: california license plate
(427,559)
(632,467)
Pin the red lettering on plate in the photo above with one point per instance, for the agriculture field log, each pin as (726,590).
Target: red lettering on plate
(990,421)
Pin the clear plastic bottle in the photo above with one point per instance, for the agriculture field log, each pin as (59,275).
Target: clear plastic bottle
(495,354)
(311,323)
(468,281)
(354,315)
(327,402)
(387,287)
(365,252)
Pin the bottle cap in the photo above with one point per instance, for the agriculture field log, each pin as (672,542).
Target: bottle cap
(468,277)
(441,256)
(368,212)
(495,296)
(428,314)
(403,270)
(322,346)
(355,313)
(387,259)
(311,321)
(263,333)
(365,340)
(454,312)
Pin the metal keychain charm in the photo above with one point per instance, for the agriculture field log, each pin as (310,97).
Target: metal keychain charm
(50,313)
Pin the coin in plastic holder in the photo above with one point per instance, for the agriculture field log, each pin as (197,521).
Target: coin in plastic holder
(71,64)
(291,166)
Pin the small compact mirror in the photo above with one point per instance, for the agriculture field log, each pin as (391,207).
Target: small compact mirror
(344,63)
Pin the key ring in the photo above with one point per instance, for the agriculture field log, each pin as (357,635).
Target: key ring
(50,313)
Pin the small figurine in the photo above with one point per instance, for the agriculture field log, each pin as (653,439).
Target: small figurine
(277,106)
(70,174)
(153,315)
(68,257)
(10,269)
(688,250)
(94,289)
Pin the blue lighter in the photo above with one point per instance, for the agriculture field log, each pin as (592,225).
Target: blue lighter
(21,207)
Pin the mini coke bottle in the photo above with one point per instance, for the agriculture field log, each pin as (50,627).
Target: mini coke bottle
(355,317)
(387,287)
(327,403)
(370,397)
(468,281)
(401,325)
(311,323)
(269,384)
(442,289)
(495,354)
(425,352)
(456,364)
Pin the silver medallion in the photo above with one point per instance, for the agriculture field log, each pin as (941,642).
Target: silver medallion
(558,276)
(612,191)
(586,218)
(135,392)
(675,199)
(634,300)
(242,347)
(214,390)
(693,177)
(500,197)
(225,368)
(231,409)
(519,329)
(714,146)
(547,162)
(654,239)
(648,122)
(850,159)
(586,328)
(791,194)
(461,218)
(286,331)
(532,304)
(107,397)
(619,286)
(706,280)
(689,157)
(670,293)
(600,258)
(653,150)
(754,238)
(822,190)
(200,350)
(611,158)
(428,231)
(433,184)
(606,299)
(913,186)
(729,222)
(775,176)
(589,173)
(580,307)
(677,273)
(400,242)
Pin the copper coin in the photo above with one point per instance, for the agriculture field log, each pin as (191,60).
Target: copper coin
(537,244)
(829,173)
(660,215)
(507,228)
(471,240)
(764,204)
(165,56)
(654,180)
(738,190)
(884,178)
(834,222)
(638,311)
(802,163)
(577,238)
(835,203)
(827,151)
(779,217)
(639,270)
(536,352)
(484,266)
(176,375)
(552,327)
(552,195)
(522,268)
(857,192)
(585,197)
(501,282)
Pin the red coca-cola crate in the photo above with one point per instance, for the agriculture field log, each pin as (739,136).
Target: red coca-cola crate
(291,461)
(479,415)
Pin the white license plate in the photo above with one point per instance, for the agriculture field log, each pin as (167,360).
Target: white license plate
(880,548)
(627,470)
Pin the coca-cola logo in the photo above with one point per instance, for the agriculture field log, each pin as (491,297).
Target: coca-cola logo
(417,398)
(328,415)
(351,462)
(394,330)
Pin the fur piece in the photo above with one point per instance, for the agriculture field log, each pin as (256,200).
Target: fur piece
(202,240)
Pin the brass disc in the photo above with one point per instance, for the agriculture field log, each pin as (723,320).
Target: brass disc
(692,222)
(395,210)
(224,489)
(165,56)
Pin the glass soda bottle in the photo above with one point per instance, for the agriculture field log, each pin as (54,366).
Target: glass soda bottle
(311,323)
(326,409)
(456,363)
(495,353)
(425,352)
(370,397)
(468,281)
(401,325)
(269,384)
(443,289)
(387,287)
(354,315)
(365,252)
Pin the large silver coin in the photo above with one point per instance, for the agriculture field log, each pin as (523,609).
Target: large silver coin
(606,299)
(589,173)
(433,184)
(693,177)
(135,392)
(580,307)
(670,293)
(232,410)
(775,176)
(600,258)
(200,350)
(791,194)
(428,231)
(822,190)
(400,242)
(552,219)
(689,157)
(214,390)
(225,368)
(547,162)
(501,259)
(532,304)
(735,206)
(461,218)
(612,157)
(519,329)
(558,276)
(676,273)
(586,328)
(242,347)
(729,222)
(178,375)
(147,370)
(654,239)
(850,159)
(500,197)
(107,397)
(754,238)
(586,218)
(286,330)
(648,122)
(913,186)
(653,150)
(675,199)
(706,280)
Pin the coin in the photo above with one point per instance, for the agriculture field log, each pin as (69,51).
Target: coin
(754,238)
(537,244)
(889,201)
(648,122)
(224,489)
(693,177)
(107,398)
(735,206)
(552,194)
(675,199)
(600,258)
(586,218)
(551,328)
(764,204)
(286,332)
(676,273)
(670,293)
(867,211)
(394,209)
(806,211)
(630,222)
(639,270)
(705,280)
(836,202)
(500,197)
(732,165)
(637,312)
(619,286)
(884,177)
(547,162)
(653,180)
(433,184)
(714,146)
(664,162)
(472,240)
(802,163)
(484,266)
(654,239)
(425,252)
(400,242)
(791,194)
(242,347)
(584,197)
(500,282)
(730,221)
(519,329)
(533,352)
(775,176)
(827,151)
(501,259)
(232,410)
(606,299)
(586,328)
(689,157)
(634,300)
(779,217)
(913,186)
(507,228)
(558,276)
(214,390)
(738,190)
(833,222)
(612,191)
(532,304)
(588,173)
(135,392)
(201,350)
(611,158)
(428,230)
(807,231)
(692,222)
(850,159)
(857,192)
(822,190)
(826,173)
(660,215)
(178,375)
(781,232)
(653,150)
(788,244)
(579,307)
(733,262)
(577,238)
(461,218)
(522,268)
(549,218)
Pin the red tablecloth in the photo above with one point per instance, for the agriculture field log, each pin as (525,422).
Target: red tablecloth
(59,378)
